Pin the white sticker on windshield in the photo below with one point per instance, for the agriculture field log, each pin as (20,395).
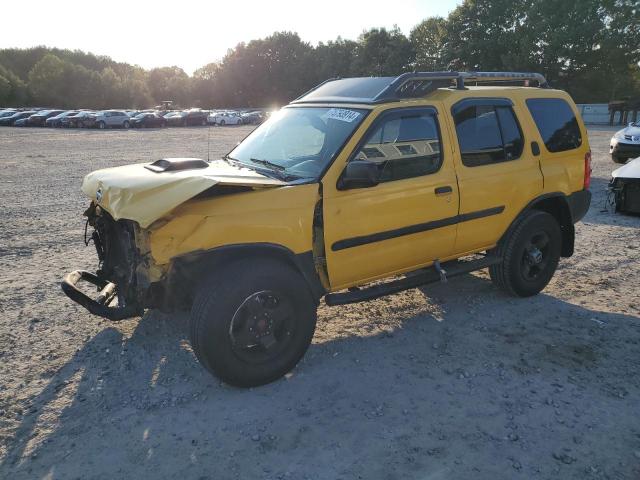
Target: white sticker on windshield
(342,114)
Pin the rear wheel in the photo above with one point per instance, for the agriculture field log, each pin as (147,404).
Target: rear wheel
(252,322)
(222,122)
(530,255)
(101,125)
(126,124)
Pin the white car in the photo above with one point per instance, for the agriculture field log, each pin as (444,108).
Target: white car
(625,144)
(111,118)
(227,118)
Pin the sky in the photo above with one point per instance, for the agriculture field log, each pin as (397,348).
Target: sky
(192,33)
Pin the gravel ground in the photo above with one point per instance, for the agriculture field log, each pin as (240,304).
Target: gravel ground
(453,381)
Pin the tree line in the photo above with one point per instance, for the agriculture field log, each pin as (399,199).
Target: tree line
(591,48)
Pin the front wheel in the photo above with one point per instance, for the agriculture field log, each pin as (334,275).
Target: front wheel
(617,159)
(530,255)
(252,322)
(222,122)
(126,124)
(101,125)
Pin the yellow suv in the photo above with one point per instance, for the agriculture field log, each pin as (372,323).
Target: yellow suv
(358,180)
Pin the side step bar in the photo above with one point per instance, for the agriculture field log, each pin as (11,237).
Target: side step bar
(414,280)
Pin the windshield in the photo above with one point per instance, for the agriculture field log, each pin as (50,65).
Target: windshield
(301,141)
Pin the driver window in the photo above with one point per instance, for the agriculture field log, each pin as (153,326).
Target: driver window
(404,144)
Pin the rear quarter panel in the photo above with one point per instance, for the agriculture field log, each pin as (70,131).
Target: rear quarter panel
(562,171)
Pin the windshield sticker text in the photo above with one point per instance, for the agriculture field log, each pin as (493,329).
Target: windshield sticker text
(343,114)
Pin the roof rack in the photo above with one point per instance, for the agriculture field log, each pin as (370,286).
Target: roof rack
(408,85)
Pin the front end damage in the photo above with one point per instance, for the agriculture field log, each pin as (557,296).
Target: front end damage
(122,280)
(145,218)
(625,187)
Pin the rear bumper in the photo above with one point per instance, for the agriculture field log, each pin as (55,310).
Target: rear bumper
(101,305)
(579,203)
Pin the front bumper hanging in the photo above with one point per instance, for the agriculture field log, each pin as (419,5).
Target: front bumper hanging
(101,305)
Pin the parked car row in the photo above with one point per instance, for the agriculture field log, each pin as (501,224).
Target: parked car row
(126,118)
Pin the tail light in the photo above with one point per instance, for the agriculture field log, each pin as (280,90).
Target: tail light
(587,170)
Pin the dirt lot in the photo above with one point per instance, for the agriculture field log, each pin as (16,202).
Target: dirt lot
(456,381)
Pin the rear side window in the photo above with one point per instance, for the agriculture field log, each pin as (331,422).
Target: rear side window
(405,143)
(487,133)
(556,123)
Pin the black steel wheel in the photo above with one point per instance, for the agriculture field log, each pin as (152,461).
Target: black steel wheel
(530,255)
(262,326)
(252,321)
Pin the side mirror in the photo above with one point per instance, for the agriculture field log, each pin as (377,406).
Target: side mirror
(359,174)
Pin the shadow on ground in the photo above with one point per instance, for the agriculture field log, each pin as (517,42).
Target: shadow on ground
(469,396)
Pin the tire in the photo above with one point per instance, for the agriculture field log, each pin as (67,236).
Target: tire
(223,334)
(126,124)
(530,255)
(102,125)
(204,122)
(617,159)
(222,122)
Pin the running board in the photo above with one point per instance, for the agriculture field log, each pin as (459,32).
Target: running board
(414,280)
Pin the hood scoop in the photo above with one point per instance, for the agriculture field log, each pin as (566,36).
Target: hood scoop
(176,164)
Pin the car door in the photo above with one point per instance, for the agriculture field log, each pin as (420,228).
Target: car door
(498,174)
(407,220)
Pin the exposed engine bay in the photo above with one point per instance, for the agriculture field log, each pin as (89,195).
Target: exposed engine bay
(118,256)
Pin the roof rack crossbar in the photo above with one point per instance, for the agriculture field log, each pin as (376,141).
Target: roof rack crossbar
(397,88)
(420,84)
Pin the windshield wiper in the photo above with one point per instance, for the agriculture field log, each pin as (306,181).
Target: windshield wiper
(277,170)
(268,164)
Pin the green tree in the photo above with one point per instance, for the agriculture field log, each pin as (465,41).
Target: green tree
(428,40)
(335,59)
(13,91)
(587,47)
(47,80)
(383,52)
(170,83)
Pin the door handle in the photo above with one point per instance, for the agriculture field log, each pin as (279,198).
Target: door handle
(535,148)
(443,190)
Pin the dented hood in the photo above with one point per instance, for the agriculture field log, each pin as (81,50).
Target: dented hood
(136,193)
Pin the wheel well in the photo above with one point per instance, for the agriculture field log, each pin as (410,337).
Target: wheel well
(559,208)
(186,271)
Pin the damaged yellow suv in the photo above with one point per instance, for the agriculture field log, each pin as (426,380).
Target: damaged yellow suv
(358,180)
